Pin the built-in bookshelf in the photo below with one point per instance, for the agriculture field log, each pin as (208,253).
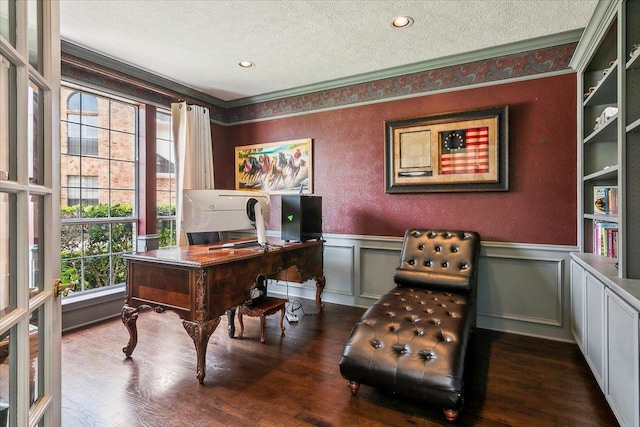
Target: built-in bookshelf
(605,273)
(609,132)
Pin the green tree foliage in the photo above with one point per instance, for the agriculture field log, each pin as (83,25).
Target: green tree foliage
(94,249)
(166,227)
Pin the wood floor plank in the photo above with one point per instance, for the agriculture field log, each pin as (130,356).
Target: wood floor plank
(295,380)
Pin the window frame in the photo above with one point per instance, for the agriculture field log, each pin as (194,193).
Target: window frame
(77,224)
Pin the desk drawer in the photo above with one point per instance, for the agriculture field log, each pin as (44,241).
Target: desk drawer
(160,284)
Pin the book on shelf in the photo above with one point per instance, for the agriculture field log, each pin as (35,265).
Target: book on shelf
(605,200)
(605,238)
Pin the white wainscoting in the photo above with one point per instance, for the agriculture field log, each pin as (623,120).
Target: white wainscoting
(522,288)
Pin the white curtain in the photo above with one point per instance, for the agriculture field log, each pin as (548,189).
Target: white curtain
(194,155)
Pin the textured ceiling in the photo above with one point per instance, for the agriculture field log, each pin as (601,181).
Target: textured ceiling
(300,43)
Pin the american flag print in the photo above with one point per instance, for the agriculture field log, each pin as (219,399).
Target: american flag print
(464,151)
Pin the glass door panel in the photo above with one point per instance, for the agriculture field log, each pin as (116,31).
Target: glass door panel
(7,378)
(36,363)
(7,126)
(34,33)
(36,244)
(8,24)
(36,135)
(7,248)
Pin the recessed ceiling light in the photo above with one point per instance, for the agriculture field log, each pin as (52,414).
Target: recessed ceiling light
(402,22)
(246,64)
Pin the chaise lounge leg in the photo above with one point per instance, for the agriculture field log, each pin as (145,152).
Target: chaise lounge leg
(353,386)
(451,415)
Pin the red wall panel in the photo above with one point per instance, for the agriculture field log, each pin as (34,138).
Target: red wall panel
(348,165)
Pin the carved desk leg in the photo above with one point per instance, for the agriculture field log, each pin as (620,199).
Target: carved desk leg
(129,316)
(320,282)
(200,333)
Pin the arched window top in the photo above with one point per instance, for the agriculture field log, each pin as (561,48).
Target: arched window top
(80,101)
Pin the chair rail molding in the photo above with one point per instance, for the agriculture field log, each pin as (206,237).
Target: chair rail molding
(523,288)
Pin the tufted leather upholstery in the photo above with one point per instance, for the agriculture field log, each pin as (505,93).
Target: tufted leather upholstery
(413,340)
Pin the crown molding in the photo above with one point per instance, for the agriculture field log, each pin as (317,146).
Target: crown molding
(452,60)
(598,24)
(447,61)
(138,73)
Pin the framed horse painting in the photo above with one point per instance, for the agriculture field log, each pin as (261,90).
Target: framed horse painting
(275,167)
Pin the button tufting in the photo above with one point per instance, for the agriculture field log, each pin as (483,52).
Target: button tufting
(438,248)
(427,263)
(400,349)
(454,249)
(375,343)
(445,264)
(421,246)
(427,354)
(445,338)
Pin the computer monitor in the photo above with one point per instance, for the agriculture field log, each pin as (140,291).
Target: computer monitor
(215,211)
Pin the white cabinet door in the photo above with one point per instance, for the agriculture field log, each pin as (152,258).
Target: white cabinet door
(577,304)
(623,380)
(594,342)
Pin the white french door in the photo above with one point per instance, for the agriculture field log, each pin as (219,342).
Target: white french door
(30,315)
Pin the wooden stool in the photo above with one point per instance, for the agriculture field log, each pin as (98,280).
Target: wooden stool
(267,306)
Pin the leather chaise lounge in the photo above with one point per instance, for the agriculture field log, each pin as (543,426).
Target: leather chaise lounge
(413,340)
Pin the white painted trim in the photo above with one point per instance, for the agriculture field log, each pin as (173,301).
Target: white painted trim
(344,283)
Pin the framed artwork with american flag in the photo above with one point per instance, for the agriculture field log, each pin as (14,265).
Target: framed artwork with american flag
(462,151)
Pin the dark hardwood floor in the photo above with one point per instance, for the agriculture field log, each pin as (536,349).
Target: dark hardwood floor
(295,380)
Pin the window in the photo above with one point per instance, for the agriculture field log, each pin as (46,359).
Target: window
(99,182)
(165,180)
(82,190)
(82,124)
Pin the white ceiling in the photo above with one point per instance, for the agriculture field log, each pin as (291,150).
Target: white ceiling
(198,43)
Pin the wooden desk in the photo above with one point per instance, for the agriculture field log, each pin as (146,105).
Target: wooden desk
(200,283)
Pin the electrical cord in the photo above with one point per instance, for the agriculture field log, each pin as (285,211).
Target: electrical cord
(292,306)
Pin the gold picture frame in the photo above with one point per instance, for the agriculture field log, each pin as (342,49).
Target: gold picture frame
(275,167)
(463,151)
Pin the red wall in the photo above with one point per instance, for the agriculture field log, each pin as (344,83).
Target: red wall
(348,165)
